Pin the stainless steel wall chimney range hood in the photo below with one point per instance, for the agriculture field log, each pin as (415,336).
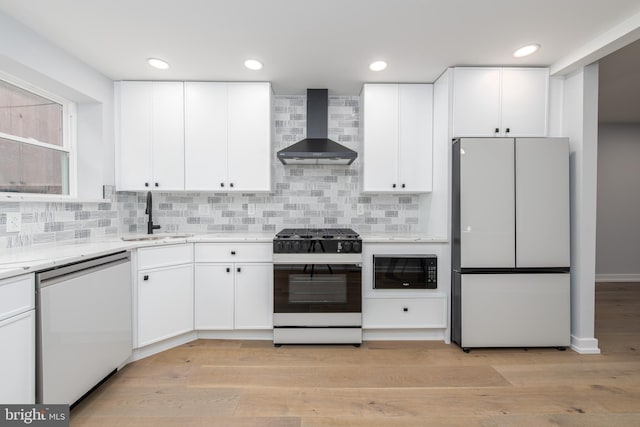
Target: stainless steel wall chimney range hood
(317,148)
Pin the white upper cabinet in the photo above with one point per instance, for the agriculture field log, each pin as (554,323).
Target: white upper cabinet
(151,137)
(205,135)
(397,153)
(228,136)
(491,102)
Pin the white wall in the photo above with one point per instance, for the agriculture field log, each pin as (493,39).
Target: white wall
(580,124)
(618,231)
(31,58)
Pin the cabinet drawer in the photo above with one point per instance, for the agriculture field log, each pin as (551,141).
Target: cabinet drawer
(165,255)
(17,295)
(233,252)
(400,313)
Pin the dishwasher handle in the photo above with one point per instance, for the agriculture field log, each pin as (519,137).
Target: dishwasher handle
(55,275)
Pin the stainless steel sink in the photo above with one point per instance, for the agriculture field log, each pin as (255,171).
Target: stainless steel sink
(159,236)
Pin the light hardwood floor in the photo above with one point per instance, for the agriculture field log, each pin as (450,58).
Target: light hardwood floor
(251,383)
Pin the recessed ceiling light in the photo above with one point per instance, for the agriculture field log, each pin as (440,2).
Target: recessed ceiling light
(158,63)
(378,66)
(526,50)
(253,64)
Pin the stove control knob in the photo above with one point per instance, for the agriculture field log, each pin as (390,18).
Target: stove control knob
(318,246)
(279,247)
(346,246)
(296,247)
(287,247)
(357,247)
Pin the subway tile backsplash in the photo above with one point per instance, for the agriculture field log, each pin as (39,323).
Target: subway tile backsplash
(302,196)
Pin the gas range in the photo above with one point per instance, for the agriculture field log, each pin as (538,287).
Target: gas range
(317,241)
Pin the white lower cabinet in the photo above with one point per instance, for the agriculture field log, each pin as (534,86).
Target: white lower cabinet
(214,296)
(233,296)
(18,338)
(254,296)
(404,313)
(164,293)
(233,286)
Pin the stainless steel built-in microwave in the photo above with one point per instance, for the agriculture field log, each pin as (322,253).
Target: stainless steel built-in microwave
(405,272)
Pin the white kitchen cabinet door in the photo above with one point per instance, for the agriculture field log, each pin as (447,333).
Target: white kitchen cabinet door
(254,296)
(398,124)
(151,143)
(380,153)
(476,102)
(542,202)
(249,136)
(515,310)
(415,152)
(508,102)
(214,296)
(487,203)
(168,136)
(18,359)
(165,303)
(525,100)
(205,136)
(135,148)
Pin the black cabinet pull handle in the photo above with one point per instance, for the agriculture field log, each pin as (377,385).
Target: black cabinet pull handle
(233,252)
(157,185)
(146,277)
(497,130)
(405,309)
(239,270)
(403,186)
(394,186)
(146,184)
(507,130)
(231,184)
(228,270)
(222,184)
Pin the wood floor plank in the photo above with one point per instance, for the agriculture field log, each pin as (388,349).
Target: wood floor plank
(610,373)
(452,420)
(425,402)
(347,376)
(216,421)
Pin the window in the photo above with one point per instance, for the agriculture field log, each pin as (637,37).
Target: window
(36,155)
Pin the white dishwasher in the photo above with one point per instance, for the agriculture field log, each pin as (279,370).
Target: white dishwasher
(84,327)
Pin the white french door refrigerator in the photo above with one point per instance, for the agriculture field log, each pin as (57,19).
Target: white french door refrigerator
(510,250)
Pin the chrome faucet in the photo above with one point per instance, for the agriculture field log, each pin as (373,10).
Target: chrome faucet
(148,210)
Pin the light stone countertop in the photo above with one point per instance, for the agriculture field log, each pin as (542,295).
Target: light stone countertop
(17,261)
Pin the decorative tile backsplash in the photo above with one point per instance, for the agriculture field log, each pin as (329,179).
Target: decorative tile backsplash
(302,196)
(50,222)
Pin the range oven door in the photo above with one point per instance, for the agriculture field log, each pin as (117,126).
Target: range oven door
(317,288)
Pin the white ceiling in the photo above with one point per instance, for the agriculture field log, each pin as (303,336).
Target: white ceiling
(319,44)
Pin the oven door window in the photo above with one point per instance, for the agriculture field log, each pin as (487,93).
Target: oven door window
(316,288)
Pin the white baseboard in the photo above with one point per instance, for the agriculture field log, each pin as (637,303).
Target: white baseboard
(403,335)
(266,334)
(158,347)
(584,345)
(617,277)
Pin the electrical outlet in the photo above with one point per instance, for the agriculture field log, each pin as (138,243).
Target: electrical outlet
(251,209)
(14,222)
(360,209)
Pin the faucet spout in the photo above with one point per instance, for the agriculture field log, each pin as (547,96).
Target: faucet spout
(149,212)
